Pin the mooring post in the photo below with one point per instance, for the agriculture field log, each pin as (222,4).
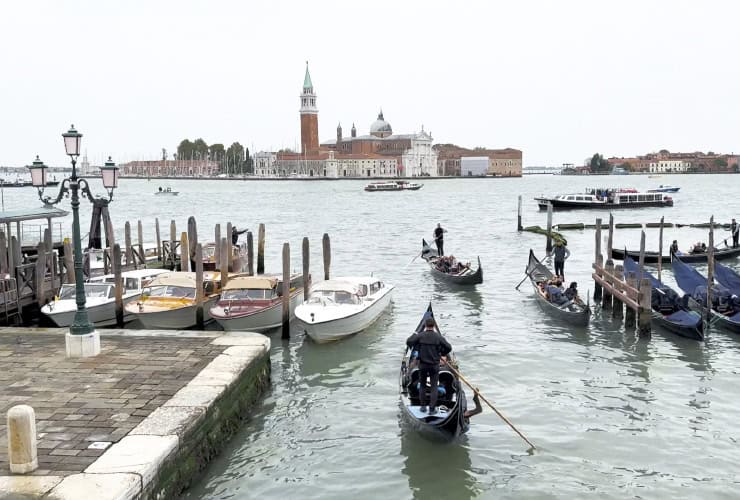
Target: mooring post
(286,290)
(306,272)
(21,430)
(40,274)
(199,285)
(606,299)
(326,248)
(548,247)
(119,284)
(230,253)
(660,247)
(159,240)
(69,262)
(261,249)
(50,255)
(519,226)
(224,262)
(250,253)
(127,240)
(140,239)
(645,314)
(617,311)
(184,253)
(710,269)
(3,253)
(597,259)
(192,241)
(217,249)
(629,313)
(173,244)
(609,238)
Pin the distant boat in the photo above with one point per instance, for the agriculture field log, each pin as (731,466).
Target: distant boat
(166,191)
(664,189)
(606,198)
(393,186)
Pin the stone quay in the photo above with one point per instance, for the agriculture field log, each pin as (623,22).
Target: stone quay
(140,420)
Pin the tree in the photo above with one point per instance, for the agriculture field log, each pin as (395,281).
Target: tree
(200,149)
(735,168)
(599,164)
(235,158)
(217,153)
(185,149)
(720,163)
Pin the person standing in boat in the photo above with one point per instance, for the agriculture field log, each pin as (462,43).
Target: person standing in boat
(439,239)
(431,346)
(235,234)
(735,230)
(560,253)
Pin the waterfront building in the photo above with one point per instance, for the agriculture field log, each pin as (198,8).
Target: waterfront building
(170,168)
(501,162)
(666,162)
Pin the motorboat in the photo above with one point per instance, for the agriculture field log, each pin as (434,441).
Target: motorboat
(605,199)
(169,301)
(255,303)
(393,186)
(344,306)
(100,297)
(664,189)
(239,260)
(166,192)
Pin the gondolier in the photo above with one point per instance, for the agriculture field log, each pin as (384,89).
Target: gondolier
(235,234)
(431,346)
(560,253)
(735,229)
(439,239)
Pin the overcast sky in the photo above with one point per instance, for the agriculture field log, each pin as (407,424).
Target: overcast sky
(558,79)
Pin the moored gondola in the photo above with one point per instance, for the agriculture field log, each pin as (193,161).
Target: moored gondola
(669,310)
(652,257)
(449,421)
(574,312)
(462,276)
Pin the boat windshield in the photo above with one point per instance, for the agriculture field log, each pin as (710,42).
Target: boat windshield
(92,290)
(336,296)
(246,294)
(179,292)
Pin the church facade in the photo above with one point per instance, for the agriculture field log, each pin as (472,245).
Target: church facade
(380,153)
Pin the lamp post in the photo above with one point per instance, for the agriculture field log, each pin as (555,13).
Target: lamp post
(82,339)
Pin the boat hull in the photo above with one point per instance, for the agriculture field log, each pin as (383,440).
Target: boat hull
(174,319)
(430,256)
(570,205)
(693,332)
(266,319)
(653,257)
(579,316)
(341,327)
(103,314)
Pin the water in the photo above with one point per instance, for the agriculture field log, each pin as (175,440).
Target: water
(611,414)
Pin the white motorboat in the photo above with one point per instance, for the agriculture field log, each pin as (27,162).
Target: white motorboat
(168,302)
(255,303)
(166,192)
(100,298)
(393,186)
(341,307)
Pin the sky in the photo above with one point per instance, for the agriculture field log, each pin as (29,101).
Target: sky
(559,80)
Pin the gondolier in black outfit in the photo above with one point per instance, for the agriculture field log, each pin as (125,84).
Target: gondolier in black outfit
(560,253)
(431,346)
(235,234)
(439,239)
(735,229)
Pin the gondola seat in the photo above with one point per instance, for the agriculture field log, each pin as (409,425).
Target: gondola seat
(445,388)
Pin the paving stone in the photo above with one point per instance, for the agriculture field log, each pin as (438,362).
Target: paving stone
(98,486)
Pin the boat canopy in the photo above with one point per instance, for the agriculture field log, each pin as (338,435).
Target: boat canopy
(251,282)
(727,277)
(687,277)
(186,280)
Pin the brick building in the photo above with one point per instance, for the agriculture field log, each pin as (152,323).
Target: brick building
(501,162)
(170,168)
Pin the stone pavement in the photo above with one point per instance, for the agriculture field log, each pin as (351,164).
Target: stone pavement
(84,405)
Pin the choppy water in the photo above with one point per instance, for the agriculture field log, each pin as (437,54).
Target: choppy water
(611,414)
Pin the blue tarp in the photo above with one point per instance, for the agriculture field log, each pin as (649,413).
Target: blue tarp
(728,278)
(688,278)
(630,266)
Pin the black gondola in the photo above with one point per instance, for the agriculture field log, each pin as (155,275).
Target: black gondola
(465,277)
(652,257)
(669,310)
(575,313)
(449,421)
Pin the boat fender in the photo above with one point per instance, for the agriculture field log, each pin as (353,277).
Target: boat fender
(312,314)
(227,311)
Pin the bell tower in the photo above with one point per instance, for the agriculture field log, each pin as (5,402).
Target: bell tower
(309,117)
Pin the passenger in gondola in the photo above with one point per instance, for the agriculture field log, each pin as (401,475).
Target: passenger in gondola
(431,346)
(555,294)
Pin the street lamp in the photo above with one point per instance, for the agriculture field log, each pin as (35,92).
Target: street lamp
(82,339)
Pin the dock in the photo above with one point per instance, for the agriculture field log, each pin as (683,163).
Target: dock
(140,420)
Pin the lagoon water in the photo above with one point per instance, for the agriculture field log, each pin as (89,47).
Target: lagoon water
(612,414)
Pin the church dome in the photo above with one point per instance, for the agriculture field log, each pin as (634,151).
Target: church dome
(380,127)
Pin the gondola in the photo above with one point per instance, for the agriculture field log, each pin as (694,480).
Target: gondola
(466,277)
(449,421)
(669,310)
(727,278)
(577,314)
(652,257)
(725,309)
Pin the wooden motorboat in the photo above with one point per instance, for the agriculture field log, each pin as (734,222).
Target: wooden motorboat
(605,199)
(574,312)
(255,303)
(100,298)
(344,306)
(169,301)
(449,421)
(458,274)
(670,310)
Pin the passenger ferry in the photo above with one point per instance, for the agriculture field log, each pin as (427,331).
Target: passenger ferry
(606,199)
(393,186)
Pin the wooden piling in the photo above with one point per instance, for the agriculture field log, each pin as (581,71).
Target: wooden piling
(261,249)
(173,244)
(192,241)
(217,250)
(548,247)
(606,300)
(184,252)
(40,274)
(642,252)
(286,290)
(3,253)
(306,272)
(250,253)
(660,247)
(224,263)
(119,284)
(127,240)
(644,315)
(199,285)
(597,259)
(230,253)
(326,248)
(629,313)
(140,241)
(69,261)
(617,309)
(17,254)
(710,269)
(49,245)
(610,238)
(159,240)
(519,226)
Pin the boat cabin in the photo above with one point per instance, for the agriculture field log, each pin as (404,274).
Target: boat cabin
(345,291)
(180,285)
(92,291)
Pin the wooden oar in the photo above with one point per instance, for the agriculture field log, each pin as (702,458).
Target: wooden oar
(526,275)
(460,376)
